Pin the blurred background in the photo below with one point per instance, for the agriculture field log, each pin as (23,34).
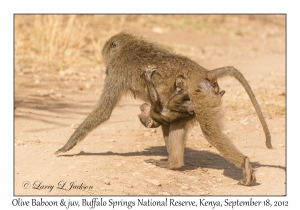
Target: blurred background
(58,42)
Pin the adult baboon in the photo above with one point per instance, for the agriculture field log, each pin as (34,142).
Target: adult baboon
(125,56)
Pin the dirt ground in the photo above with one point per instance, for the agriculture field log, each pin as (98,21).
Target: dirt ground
(115,159)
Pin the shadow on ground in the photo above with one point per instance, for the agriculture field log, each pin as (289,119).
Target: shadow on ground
(193,159)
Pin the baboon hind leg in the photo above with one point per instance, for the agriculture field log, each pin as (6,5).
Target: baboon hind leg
(207,107)
(175,142)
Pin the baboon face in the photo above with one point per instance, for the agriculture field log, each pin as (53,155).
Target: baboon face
(145,118)
(114,45)
(109,49)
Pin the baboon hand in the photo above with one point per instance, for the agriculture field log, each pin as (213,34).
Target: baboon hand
(59,151)
(63,149)
(149,71)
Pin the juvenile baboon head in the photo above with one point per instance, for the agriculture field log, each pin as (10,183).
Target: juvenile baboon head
(145,117)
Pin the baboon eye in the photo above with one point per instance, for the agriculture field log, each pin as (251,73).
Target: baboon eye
(113,44)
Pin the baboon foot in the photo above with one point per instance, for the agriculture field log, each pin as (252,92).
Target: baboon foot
(215,87)
(149,71)
(248,174)
(190,109)
(169,165)
(222,93)
(179,84)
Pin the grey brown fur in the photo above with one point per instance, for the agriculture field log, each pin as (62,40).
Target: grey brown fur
(125,56)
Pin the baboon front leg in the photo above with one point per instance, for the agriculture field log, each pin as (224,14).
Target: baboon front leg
(166,130)
(112,93)
(175,146)
(207,106)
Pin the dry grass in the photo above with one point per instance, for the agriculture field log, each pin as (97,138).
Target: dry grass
(57,42)
(272,102)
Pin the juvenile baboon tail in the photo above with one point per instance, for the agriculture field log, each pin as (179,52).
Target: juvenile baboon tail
(231,71)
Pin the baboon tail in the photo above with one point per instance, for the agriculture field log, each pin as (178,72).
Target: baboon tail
(231,71)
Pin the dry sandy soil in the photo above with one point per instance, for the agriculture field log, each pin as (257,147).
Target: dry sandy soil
(115,159)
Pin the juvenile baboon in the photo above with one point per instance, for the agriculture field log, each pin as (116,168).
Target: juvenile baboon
(125,56)
(157,114)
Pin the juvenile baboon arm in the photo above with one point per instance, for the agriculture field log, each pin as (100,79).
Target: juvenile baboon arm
(180,103)
(152,91)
